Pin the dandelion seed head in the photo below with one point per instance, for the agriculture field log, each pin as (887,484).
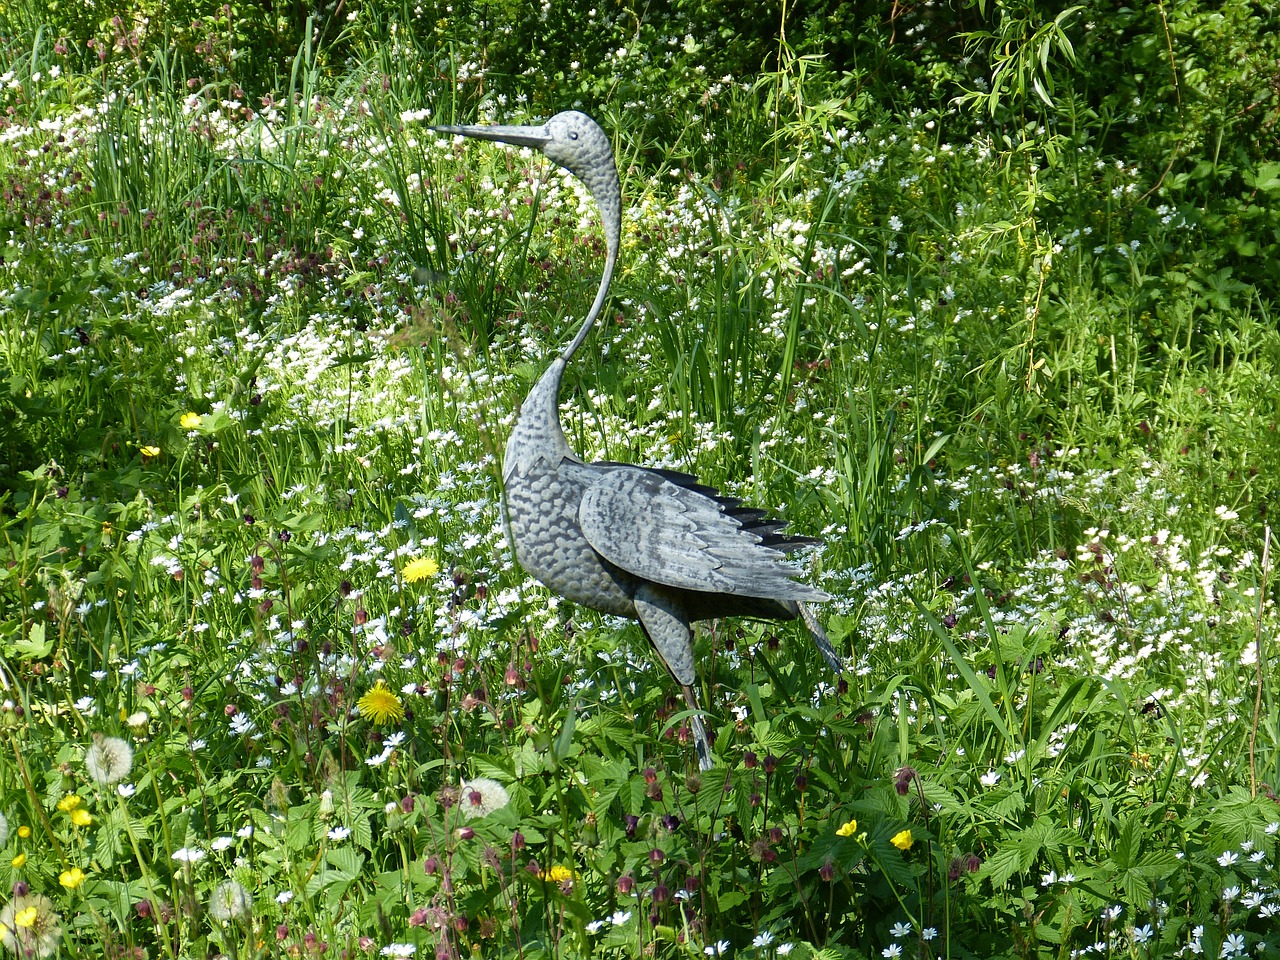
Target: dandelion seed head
(108,760)
(30,927)
(482,796)
(230,901)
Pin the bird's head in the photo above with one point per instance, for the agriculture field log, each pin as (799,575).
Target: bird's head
(574,141)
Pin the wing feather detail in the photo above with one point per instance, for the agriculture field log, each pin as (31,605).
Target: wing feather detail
(681,534)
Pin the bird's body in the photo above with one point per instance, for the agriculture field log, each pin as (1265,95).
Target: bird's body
(653,545)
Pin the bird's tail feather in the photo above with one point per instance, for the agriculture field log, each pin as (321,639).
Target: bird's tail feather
(820,638)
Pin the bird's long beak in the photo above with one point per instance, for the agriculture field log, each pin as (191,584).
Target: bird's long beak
(536,137)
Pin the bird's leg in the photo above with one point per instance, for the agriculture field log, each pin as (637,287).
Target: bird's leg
(820,638)
(667,627)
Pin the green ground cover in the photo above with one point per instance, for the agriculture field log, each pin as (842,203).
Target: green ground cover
(985,297)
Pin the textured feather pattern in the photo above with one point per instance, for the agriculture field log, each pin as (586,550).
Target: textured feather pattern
(656,545)
(660,531)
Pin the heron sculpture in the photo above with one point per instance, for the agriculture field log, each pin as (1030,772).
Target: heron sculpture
(653,545)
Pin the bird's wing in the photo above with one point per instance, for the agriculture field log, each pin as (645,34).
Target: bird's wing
(666,532)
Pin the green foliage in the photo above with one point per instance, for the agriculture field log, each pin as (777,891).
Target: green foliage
(985,296)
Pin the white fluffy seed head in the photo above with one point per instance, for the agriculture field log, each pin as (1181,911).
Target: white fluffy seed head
(482,796)
(108,760)
(230,901)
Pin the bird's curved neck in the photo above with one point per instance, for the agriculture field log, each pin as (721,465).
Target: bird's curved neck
(610,261)
(538,434)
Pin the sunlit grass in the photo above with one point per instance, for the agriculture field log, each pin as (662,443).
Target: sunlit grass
(274,686)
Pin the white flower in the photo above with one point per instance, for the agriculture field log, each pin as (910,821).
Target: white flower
(1142,935)
(221,844)
(900,930)
(1233,945)
(785,948)
(188,855)
(891,952)
(619,918)
(717,949)
(762,939)
(399,950)
(928,933)
(126,790)
(379,759)
(594,926)
(990,778)
(284,896)
(339,833)
(1228,858)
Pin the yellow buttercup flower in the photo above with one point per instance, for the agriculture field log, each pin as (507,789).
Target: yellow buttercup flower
(190,421)
(71,878)
(380,705)
(24,831)
(25,917)
(848,829)
(420,568)
(559,874)
(19,861)
(903,840)
(81,817)
(69,803)
(149,451)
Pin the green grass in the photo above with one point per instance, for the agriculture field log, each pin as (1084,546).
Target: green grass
(258,356)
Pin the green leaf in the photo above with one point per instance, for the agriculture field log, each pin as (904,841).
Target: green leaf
(1006,862)
(35,645)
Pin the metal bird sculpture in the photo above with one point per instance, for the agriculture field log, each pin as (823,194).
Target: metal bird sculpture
(653,545)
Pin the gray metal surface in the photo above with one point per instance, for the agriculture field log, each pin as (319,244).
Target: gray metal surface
(653,545)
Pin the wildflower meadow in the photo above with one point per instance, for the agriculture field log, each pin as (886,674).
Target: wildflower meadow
(983,295)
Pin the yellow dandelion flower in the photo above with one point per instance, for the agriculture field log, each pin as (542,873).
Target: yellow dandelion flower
(190,421)
(559,874)
(149,451)
(420,568)
(71,878)
(848,829)
(903,840)
(380,705)
(19,861)
(81,817)
(69,803)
